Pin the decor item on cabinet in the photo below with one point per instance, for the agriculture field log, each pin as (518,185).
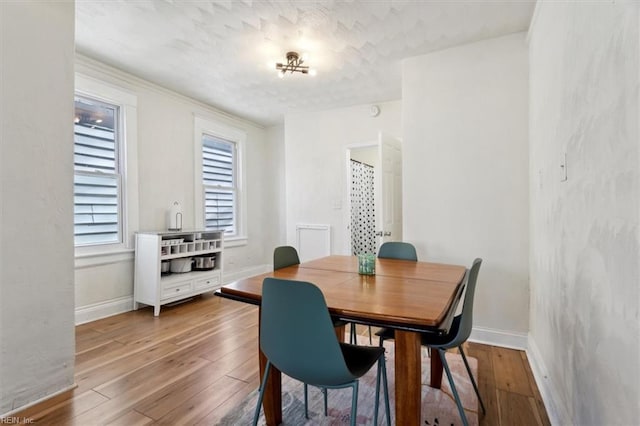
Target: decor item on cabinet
(204,262)
(174,217)
(155,287)
(181,265)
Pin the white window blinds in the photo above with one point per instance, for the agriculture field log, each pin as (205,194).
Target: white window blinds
(97,179)
(219,183)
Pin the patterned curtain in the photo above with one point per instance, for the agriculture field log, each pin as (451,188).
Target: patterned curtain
(363,215)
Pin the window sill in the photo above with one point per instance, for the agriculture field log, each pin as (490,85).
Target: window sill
(88,259)
(235,241)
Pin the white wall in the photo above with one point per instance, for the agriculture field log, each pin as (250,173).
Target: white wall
(37,339)
(316,169)
(368,155)
(465,163)
(585,292)
(165,122)
(276,191)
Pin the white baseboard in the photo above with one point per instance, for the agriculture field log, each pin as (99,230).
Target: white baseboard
(502,338)
(7,418)
(229,277)
(100,310)
(556,409)
(120,305)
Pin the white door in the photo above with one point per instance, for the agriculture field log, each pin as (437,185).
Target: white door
(389,200)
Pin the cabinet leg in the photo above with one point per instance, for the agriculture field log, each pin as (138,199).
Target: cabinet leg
(156,310)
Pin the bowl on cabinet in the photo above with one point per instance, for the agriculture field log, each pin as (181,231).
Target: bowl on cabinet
(181,265)
(204,262)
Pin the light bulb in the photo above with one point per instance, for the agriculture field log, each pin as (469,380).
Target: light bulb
(313,72)
(281,74)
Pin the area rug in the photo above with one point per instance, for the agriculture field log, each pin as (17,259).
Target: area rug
(438,406)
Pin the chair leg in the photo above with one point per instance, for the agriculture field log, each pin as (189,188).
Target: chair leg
(325,393)
(354,404)
(352,334)
(445,364)
(473,381)
(377,403)
(382,374)
(261,393)
(386,393)
(370,338)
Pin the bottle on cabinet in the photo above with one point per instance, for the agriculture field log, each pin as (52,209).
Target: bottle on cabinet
(174,217)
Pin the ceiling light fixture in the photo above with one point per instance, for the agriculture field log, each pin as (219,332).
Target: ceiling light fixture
(294,64)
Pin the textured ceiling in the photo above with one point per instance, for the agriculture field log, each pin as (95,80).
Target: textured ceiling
(218,51)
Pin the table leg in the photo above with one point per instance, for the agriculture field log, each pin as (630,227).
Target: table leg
(408,378)
(436,369)
(340,332)
(272,400)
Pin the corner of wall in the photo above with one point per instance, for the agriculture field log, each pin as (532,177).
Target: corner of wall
(557,412)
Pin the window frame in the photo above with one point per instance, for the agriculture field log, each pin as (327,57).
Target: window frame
(126,155)
(116,175)
(202,126)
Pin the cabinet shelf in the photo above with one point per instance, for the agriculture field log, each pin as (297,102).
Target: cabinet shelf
(152,248)
(189,254)
(181,276)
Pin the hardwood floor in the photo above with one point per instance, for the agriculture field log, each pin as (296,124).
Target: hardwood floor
(197,360)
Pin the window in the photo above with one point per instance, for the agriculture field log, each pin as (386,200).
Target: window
(105,171)
(219,183)
(219,177)
(97,178)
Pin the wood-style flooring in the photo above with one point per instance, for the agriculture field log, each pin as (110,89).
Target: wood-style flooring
(197,360)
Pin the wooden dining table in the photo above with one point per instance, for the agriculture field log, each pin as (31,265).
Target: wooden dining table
(410,297)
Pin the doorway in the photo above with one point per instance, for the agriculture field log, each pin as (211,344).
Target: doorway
(362,201)
(374,194)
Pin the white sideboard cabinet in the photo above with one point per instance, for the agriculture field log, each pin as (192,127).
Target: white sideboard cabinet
(154,287)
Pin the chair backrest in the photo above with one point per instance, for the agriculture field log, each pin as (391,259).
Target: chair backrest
(397,250)
(454,312)
(284,256)
(297,335)
(462,324)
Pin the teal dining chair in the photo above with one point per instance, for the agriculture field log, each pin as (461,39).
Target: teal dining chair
(284,256)
(297,337)
(457,334)
(397,250)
